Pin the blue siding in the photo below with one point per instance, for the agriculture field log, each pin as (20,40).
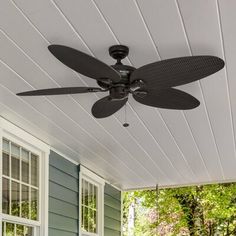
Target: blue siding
(63,197)
(112,211)
(64,200)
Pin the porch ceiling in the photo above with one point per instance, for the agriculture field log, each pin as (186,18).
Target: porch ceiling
(160,146)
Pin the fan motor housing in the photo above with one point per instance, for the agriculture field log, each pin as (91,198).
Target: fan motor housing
(118,92)
(124,71)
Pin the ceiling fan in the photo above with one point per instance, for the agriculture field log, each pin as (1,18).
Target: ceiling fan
(150,84)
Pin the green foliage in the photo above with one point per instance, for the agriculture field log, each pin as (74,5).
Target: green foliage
(199,210)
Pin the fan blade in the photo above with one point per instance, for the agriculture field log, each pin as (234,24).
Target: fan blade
(177,71)
(84,64)
(106,107)
(168,98)
(60,91)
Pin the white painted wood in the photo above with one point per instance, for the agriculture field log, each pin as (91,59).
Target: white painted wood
(52,141)
(44,111)
(160,146)
(170,39)
(91,125)
(207,40)
(226,19)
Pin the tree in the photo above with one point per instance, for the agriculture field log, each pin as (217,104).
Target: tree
(197,210)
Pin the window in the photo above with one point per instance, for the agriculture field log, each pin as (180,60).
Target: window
(91,203)
(24,180)
(11,229)
(20,189)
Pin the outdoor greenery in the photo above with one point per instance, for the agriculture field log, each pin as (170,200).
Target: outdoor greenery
(199,210)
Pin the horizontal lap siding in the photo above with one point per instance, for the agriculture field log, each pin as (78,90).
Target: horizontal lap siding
(63,196)
(112,211)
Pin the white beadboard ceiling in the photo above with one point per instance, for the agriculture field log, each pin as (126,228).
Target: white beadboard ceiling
(160,146)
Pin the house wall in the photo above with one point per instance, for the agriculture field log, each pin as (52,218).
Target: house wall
(112,211)
(64,200)
(63,197)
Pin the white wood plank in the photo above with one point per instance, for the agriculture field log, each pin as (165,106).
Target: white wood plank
(49,31)
(91,125)
(44,110)
(111,14)
(28,70)
(154,171)
(113,19)
(168,147)
(207,40)
(169,37)
(125,22)
(58,145)
(227,19)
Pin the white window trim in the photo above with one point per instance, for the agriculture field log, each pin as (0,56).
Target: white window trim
(100,183)
(19,136)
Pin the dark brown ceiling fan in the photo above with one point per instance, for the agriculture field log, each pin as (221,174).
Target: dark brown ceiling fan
(150,84)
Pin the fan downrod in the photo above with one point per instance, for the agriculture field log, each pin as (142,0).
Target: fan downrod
(118,52)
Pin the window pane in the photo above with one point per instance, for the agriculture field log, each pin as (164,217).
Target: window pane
(19,230)
(5,195)
(90,193)
(82,192)
(82,217)
(29,231)
(90,220)
(25,166)
(25,201)
(15,161)
(3,228)
(15,168)
(15,198)
(86,219)
(95,221)
(34,204)
(34,170)
(15,150)
(10,229)
(5,163)
(95,197)
(5,145)
(86,193)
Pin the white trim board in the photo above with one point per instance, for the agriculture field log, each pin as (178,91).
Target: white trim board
(183,185)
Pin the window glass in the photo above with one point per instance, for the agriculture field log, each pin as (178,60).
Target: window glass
(34,204)
(34,170)
(5,158)
(15,198)
(25,166)
(12,229)
(5,196)
(15,161)
(25,201)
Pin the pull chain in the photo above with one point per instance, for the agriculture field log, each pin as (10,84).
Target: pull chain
(126,124)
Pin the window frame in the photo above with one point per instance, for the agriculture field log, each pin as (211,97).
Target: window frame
(92,178)
(36,146)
